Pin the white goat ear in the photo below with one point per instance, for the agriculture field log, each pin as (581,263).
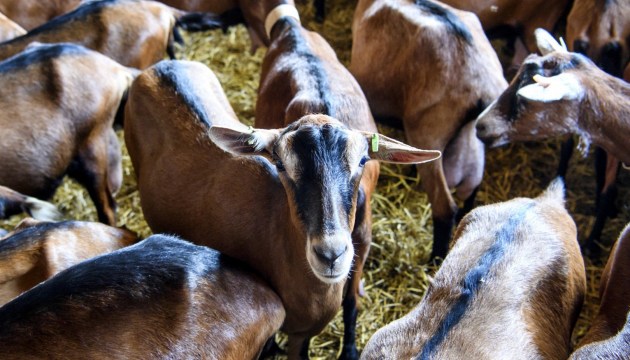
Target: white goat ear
(546,43)
(244,142)
(386,149)
(547,89)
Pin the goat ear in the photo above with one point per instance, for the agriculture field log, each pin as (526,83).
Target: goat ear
(244,142)
(546,43)
(386,149)
(548,89)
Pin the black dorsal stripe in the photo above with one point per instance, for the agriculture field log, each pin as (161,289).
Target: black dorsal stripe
(473,280)
(173,75)
(447,17)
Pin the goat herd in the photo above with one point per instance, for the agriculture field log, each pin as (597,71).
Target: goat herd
(280,213)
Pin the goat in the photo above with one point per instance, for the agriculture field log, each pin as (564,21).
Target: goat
(558,94)
(32,13)
(609,333)
(36,250)
(9,29)
(162,298)
(302,210)
(59,102)
(135,33)
(301,75)
(511,287)
(599,29)
(420,54)
(515,20)
(12,202)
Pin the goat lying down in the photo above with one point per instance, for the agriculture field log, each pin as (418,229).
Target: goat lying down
(410,71)
(511,287)
(36,250)
(290,192)
(59,102)
(12,203)
(162,298)
(135,33)
(557,94)
(609,335)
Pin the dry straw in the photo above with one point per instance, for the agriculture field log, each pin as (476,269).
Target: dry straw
(396,273)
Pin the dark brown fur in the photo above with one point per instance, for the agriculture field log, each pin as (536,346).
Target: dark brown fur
(162,298)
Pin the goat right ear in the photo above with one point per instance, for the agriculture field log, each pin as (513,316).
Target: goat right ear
(386,149)
(546,43)
(244,142)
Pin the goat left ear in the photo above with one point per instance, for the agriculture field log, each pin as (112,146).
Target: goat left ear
(244,142)
(548,89)
(386,149)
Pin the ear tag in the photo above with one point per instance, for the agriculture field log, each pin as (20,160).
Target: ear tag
(375,143)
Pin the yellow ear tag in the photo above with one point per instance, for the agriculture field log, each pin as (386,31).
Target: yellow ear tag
(375,143)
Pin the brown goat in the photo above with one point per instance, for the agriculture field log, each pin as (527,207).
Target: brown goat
(599,29)
(410,59)
(515,19)
(573,96)
(162,298)
(33,13)
(302,210)
(12,203)
(135,33)
(609,335)
(59,102)
(301,75)
(9,29)
(35,251)
(511,287)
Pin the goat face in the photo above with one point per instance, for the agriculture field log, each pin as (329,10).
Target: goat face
(541,102)
(320,163)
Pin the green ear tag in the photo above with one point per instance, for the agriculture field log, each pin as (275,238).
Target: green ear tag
(251,139)
(375,143)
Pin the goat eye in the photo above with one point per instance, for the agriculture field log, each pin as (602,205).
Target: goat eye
(280,166)
(363,161)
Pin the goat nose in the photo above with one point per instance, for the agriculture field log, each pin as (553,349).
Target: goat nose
(330,254)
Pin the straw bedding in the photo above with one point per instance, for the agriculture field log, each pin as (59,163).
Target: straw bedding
(396,272)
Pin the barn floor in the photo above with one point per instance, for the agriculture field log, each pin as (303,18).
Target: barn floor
(396,271)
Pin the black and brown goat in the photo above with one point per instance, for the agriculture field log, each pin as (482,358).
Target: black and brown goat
(35,251)
(162,298)
(288,192)
(609,334)
(12,203)
(135,33)
(511,287)
(58,105)
(301,75)
(432,67)
(558,94)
